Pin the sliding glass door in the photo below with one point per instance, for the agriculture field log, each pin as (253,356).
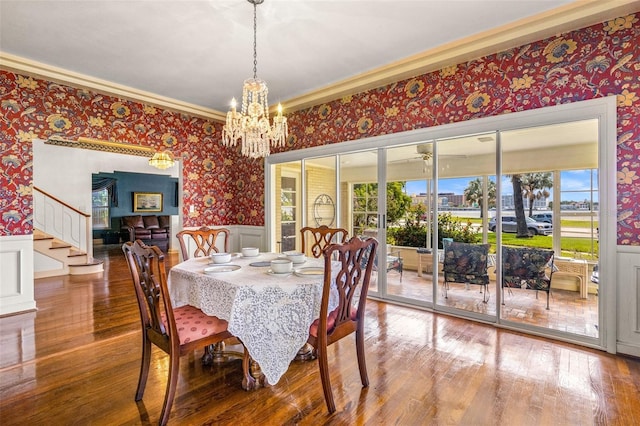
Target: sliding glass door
(550,177)
(360,208)
(531,183)
(464,196)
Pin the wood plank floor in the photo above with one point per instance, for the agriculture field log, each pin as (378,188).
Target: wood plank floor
(76,360)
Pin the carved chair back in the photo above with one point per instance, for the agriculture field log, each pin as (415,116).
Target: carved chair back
(205,240)
(315,240)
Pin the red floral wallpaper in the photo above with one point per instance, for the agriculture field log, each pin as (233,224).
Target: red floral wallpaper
(226,188)
(590,63)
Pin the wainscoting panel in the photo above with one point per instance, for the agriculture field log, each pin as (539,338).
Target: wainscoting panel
(628,340)
(16,274)
(248,236)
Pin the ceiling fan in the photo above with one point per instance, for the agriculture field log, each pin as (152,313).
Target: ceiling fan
(425,153)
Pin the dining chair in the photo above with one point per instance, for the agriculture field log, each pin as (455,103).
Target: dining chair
(315,240)
(176,331)
(205,239)
(526,268)
(466,263)
(349,274)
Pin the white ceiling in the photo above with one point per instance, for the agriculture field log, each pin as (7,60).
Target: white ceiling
(199,52)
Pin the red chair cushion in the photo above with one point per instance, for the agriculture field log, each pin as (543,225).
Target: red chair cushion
(331,321)
(193,324)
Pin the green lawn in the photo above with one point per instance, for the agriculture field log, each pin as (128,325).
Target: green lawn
(571,247)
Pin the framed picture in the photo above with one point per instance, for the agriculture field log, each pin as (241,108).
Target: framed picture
(147,201)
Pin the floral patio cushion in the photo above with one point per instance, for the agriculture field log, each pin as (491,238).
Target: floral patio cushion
(525,268)
(466,263)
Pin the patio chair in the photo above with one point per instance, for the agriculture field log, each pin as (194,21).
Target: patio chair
(205,240)
(394,261)
(176,331)
(466,263)
(525,268)
(353,272)
(315,240)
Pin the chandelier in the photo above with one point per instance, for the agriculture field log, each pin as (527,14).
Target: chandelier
(162,160)
(251,126)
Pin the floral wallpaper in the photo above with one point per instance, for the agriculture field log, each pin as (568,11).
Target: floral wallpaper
(593,62)
(226,188)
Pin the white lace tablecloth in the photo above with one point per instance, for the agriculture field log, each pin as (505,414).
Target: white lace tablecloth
(270,314)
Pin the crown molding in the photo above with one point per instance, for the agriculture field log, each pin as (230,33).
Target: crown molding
(60,75)
(580,14)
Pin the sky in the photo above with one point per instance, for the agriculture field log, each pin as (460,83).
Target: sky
(573,181)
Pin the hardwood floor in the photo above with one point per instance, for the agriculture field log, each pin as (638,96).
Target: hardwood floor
(76,361)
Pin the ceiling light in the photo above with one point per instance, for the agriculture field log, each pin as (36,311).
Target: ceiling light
(162,160)
(251,126)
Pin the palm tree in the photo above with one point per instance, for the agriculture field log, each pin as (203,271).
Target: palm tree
(534,187)
(518,206)
(473,193)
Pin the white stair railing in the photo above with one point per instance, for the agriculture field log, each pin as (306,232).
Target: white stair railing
(58,219)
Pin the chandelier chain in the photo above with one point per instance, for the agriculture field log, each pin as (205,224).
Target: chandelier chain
(255,41)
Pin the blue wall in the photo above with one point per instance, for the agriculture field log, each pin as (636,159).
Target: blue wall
(128,183)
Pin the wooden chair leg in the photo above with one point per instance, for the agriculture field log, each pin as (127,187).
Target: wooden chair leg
(172,381)
(144,368)
(326,380)
(362,363)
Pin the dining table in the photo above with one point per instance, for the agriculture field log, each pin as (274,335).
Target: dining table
(269,313)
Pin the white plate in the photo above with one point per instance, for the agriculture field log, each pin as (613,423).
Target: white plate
(276,274)
(305,272)
(249,257)
(221,268)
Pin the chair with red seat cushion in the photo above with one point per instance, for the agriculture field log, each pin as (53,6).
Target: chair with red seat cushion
(177,331)
(204,239)
(353,266)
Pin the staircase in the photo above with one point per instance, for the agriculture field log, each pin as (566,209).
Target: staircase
(54,257)
(61,238)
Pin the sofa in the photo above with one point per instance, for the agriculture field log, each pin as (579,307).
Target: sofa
(151,229)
